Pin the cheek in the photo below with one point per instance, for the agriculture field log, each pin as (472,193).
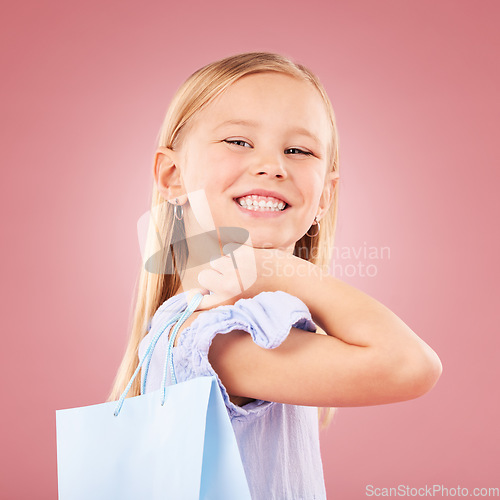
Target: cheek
(197,173)
(217,168)
(312,184)
(206,178)
(225,170)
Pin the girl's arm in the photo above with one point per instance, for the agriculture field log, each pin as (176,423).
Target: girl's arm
(360,321)
(369,357)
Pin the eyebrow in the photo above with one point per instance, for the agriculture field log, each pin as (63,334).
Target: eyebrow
(250,123)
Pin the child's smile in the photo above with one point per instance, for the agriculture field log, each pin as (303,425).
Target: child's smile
(259,151)
(260,203)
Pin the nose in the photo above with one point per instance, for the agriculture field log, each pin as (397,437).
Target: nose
(271,165)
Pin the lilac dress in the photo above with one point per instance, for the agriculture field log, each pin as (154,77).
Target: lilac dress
(278,443)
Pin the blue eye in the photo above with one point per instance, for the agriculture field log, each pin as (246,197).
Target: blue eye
(299,151)
(237,142)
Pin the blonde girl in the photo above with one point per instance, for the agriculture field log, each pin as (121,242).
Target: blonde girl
(248,155)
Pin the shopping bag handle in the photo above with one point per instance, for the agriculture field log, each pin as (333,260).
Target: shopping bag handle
(169,358)
(179,318)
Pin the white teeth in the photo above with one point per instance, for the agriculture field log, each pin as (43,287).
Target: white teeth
(262,203)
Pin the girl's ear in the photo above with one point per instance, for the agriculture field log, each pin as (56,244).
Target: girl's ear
(167,175)
(326,199)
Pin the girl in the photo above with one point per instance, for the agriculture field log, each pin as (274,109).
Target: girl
(247,167)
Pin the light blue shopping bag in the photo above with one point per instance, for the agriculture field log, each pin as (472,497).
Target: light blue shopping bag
(174,443)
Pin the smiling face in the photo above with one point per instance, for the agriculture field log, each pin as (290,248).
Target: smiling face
(259,152)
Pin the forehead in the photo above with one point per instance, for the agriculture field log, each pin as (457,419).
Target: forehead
(271,100)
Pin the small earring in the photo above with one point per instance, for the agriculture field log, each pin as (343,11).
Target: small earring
(178,210)
(316,221)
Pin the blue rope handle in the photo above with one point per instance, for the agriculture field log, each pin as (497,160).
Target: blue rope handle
(185,315)
(149,352)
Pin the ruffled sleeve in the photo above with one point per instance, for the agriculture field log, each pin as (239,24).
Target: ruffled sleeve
(267,317)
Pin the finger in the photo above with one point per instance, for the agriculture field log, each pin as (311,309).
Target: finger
(193,291)
(211,301)
(206,303)
(243,263)
(205,278)
(224,286)
(220,263)
(213,280)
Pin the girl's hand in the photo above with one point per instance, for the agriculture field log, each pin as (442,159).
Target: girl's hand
(242,272)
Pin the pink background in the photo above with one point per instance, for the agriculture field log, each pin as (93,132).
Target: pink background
(415,89)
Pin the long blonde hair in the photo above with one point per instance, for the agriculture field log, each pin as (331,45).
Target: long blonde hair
(154,286)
